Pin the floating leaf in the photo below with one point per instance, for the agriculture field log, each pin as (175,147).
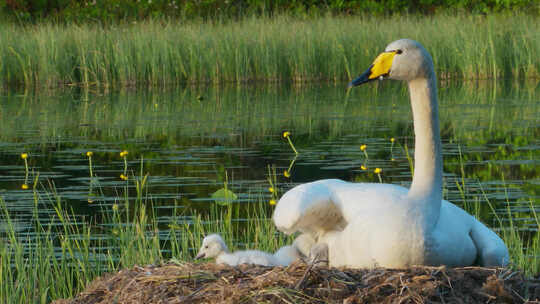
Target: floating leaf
(224,196)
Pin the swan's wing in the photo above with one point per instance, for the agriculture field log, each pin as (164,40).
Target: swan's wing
(491,248)
(329,205)
(461,240)
(308,208)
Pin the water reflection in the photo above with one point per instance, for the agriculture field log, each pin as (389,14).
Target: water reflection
(186,146)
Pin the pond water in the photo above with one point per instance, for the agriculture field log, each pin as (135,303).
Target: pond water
(191,141)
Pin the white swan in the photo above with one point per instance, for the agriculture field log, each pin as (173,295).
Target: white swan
(369,225)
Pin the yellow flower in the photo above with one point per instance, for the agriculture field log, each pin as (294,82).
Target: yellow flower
(363,147)
(392,139)
(272,202)
(377,170)
(89,153)
(363,167)
(24,155)
(271,189)
(123,153)
(24,186)
(123,177)
(115,207)
(287,173)
(286,134)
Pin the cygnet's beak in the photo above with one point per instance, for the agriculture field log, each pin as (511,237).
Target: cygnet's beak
(200,255)
(379,69)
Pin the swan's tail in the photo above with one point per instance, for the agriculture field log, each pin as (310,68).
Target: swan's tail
(491,249)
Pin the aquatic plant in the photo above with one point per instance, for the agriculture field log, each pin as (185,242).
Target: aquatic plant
(378,171)
(287,135)
(89,155)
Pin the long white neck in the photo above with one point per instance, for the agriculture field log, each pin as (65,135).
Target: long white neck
(426,187)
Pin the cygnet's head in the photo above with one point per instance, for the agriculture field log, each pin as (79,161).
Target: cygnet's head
(212,246)
(403,59)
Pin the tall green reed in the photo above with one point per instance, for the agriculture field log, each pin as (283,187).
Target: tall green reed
(163,53)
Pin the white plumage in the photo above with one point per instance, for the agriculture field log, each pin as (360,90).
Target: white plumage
(213,246)
(369,225)
(286,255)
(299,250)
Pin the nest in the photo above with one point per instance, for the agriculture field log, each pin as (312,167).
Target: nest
(300,283)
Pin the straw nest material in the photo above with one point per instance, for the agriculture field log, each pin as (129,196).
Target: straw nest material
(300,283)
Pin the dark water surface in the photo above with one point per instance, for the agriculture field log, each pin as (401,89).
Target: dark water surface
(191,141)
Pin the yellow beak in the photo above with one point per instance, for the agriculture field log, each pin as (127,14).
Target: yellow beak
(380,67)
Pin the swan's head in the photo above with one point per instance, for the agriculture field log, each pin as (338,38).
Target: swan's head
(212,246)
(403,59)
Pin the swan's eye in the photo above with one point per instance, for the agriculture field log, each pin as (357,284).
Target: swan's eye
(399,52)
(206,246)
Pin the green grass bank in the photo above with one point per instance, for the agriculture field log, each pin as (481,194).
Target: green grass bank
(334,49)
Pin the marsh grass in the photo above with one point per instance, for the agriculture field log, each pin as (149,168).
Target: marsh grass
(65,252)
(163,53)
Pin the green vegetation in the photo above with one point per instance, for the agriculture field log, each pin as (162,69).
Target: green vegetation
(66,252)
(334,49)
(116,10)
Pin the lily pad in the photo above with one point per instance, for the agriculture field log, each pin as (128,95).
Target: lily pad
(224,196)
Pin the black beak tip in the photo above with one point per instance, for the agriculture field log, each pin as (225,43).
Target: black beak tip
(361,79)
